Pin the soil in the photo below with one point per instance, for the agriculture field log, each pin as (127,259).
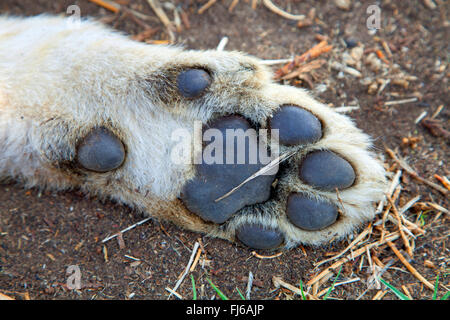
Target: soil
(43,233)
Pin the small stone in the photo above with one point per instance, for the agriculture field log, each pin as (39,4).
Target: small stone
(350,43)
(343,4)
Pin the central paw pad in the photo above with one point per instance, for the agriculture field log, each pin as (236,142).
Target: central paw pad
(231,157)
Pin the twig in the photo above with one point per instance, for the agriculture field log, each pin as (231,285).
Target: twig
(351,256)
(159,11)
(223,42)
(266,257)
(378,273)
(361,236)
(277,282)
(135,14)
(406,291)
(126,229)
(186,271)
(409,266)
(436,128)
(105,253)
(304,68)
(438,110)
(261,171)
(402,234)
(413,174)
(197,257)
(380,294)
(443,180)
(269,5)
(111,6)
(144,35)
(324,291)
(185,19)
(411,226)
(345,109)
(249,285)
(430,4)
(314,52)
(390,103)
(131,257)
(437,207)
(340,67)
(232,5)
(394,183)
(5,297)
(383,86)
(420,117)
(176,294)
(409,204)
(275,61)
(385,216)
(206,6)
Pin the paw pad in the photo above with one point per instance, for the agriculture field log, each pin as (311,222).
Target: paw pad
(296,126)
(259,237)
(100,151)
(326,171)
(213,180)
(309,214)
(193,82)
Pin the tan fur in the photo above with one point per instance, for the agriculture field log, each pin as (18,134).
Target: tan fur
(57,82)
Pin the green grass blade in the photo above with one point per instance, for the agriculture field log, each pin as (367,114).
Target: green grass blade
(220,293)
(332,286)
(436,288)
(301,290)
(194,291)
(445,297)
(399,294)
(239,291)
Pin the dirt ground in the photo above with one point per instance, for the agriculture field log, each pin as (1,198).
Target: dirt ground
(43,233)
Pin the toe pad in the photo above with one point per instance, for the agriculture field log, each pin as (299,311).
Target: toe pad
(309,214)
(193,82)
(258,237)
(100,151)
(296,126)
(327,171)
